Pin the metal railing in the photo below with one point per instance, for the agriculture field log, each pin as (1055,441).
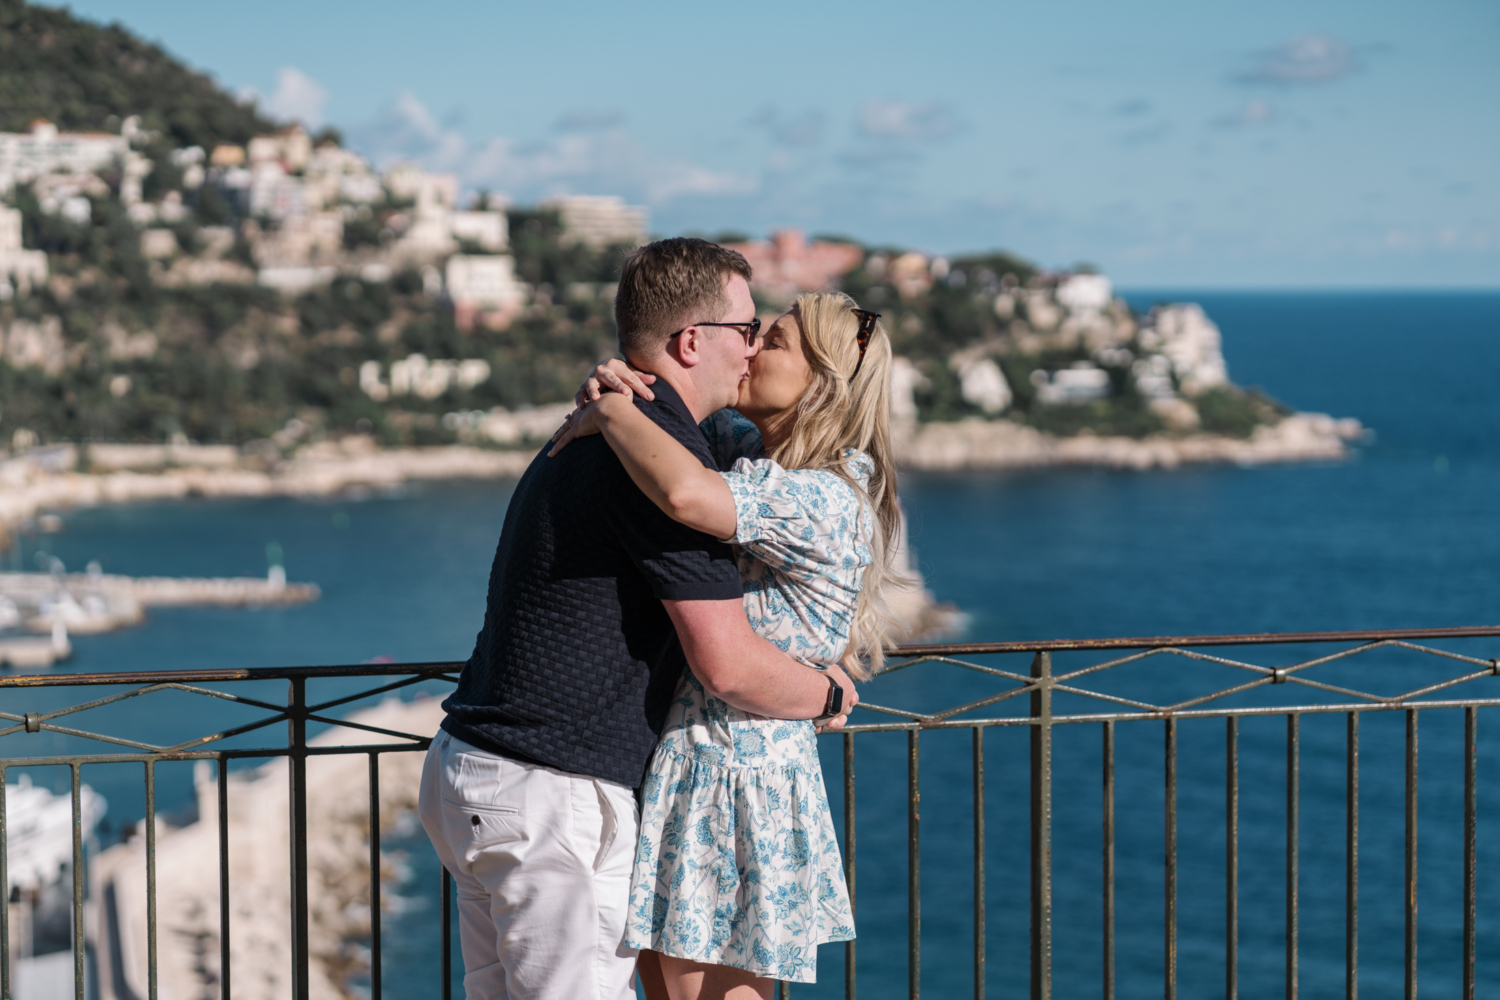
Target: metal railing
(1051,698)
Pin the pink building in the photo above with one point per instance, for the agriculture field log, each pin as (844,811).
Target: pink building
(787,264)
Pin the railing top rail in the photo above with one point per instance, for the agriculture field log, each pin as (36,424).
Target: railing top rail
(1157,642)
(229,674)
(917,650)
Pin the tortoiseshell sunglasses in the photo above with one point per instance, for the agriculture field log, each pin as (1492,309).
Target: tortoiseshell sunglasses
(863,334)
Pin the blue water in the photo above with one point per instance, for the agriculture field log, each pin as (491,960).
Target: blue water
(1405,534)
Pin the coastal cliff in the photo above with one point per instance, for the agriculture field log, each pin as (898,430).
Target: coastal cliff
(1002,444)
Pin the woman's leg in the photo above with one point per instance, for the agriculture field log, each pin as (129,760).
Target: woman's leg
(687,980)
(648,971)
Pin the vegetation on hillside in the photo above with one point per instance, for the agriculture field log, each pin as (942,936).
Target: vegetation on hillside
(86,76)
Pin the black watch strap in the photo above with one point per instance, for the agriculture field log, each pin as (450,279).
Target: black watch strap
(835,703)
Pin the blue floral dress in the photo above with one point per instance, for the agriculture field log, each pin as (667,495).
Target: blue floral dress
(738,864)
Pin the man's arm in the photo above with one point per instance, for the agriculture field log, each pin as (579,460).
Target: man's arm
(743,670)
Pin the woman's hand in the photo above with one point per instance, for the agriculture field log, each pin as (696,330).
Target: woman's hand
(851,698)
(614,376)
(580,423)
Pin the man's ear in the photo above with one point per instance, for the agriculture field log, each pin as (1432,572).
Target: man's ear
(687,347)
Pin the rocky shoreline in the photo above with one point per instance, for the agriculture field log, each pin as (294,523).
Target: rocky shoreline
(1004,444)
(64,477)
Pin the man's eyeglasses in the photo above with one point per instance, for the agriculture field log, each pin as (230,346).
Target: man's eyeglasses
(750,331)
(863,334)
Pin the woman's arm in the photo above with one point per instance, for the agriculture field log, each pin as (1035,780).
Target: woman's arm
(664,470)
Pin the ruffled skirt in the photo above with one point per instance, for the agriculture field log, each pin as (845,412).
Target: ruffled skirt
(738,863)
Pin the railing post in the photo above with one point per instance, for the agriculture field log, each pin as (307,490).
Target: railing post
(225,949)
(1109,860)
(979,875)
(78,942)
(1293,849)
(1351,858)
(5,903)
(849,953)
(297,765)
(445,897)
(1232,858)
(1471,820)
(913,864)
(1041,828)
(1169,820)
(1411,854)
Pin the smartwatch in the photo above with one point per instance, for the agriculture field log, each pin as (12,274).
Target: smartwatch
(835,703)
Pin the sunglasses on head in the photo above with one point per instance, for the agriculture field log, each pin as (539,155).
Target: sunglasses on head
(863,334)
(750,330)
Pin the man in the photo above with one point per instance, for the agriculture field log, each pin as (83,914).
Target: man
(596,599)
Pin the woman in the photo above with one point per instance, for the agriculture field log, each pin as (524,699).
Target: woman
(737,877)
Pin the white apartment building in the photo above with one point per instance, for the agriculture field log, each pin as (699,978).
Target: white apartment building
(43,150)
(19,268)
(483,286)
(291,147)
(491,230)
(1085,293)
(601,220)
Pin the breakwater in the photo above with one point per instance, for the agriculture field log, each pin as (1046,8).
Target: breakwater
(56,605)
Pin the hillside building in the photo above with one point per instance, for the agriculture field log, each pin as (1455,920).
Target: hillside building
(483,288)
(19,268)
(600,220)
(491,230)
(42,150)
(787,264)
(290,147)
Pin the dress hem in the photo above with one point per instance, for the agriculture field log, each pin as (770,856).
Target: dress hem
(760,972)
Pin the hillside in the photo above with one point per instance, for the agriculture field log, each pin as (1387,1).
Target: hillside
(209,277)
(87,76)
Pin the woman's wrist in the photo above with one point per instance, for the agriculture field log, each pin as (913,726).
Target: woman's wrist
(609,405)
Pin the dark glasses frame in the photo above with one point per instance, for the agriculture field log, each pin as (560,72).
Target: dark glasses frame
(863,334)
(750,330)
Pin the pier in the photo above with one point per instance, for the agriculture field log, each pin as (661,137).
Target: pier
(58,605)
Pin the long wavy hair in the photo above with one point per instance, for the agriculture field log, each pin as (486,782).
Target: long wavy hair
(848,405)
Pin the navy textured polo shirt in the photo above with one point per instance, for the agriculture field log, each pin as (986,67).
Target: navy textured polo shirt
(577,661)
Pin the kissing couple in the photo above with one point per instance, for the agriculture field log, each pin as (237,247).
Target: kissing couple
(725,502)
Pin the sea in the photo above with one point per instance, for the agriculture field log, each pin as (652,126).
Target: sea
(1405,533)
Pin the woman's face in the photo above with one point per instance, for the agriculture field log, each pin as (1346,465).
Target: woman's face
(779,374)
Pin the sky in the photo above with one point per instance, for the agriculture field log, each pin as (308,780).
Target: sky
(1315,144)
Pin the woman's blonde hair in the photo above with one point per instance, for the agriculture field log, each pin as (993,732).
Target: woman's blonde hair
(848,405)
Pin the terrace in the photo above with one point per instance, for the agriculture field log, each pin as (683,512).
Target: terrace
(1241,720)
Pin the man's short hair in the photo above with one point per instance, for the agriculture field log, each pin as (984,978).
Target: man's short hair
(670,284)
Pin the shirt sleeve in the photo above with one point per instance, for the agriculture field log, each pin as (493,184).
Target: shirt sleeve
(731,436)
(679,563)
(799,521)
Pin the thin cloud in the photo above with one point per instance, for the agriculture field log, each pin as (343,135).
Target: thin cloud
(1133,108)
(1304,58)
(908,121)
(298,97)
(606,160)
(867,156)
(588,120)
(1255,112)
(799,130)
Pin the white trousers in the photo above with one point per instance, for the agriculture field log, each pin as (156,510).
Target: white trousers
(542,860)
